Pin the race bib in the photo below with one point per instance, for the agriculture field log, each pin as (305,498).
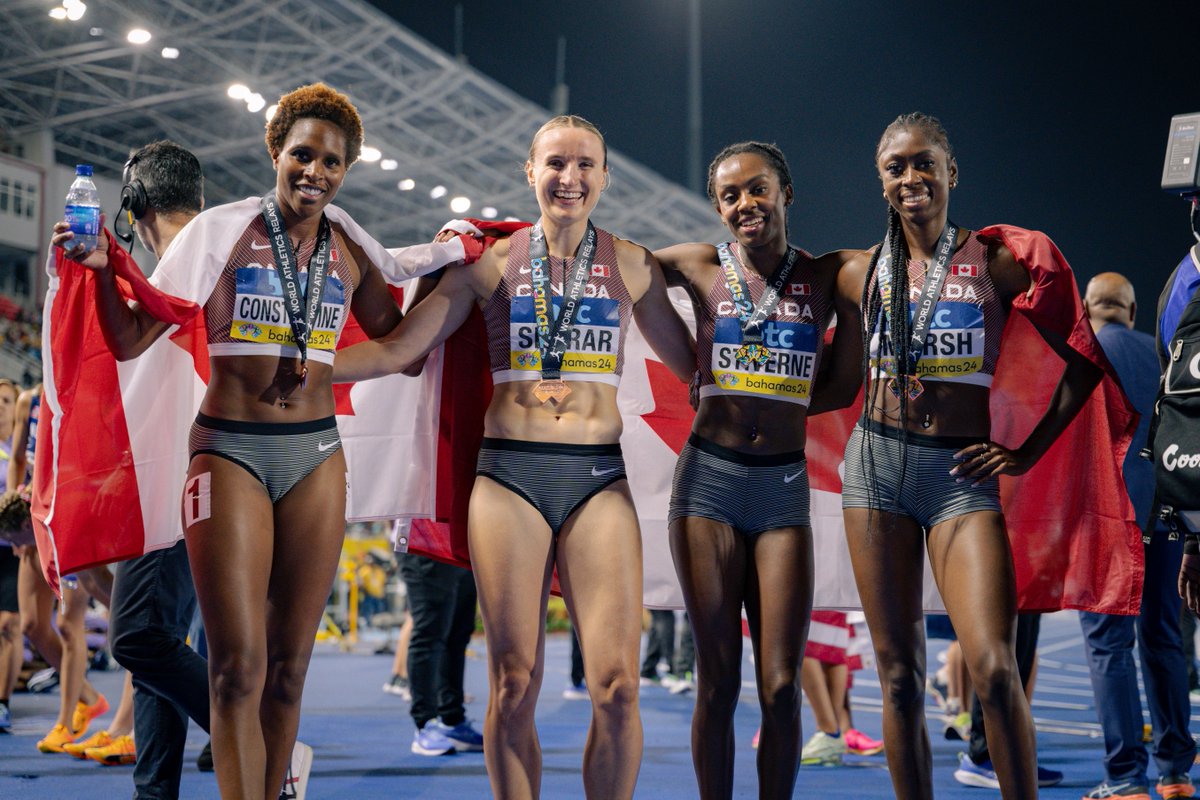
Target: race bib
(953,345)
(260,315)
(786,375)
(595,339)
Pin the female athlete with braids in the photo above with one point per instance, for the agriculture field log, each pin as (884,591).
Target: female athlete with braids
(921,469)
(739,515)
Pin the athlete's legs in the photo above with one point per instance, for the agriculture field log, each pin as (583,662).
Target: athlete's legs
(230,552)
(600,570)
(74,653)
(512,552)
(11,653)
(37,605)
(710,559)
(778,606)
(888,553)
(973,567)
(310,524)
(98,583)
(816,689)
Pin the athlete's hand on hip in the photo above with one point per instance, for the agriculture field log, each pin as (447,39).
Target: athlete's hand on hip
(92,259)
(982,462)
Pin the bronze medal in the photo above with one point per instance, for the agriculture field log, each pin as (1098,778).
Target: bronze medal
(554,390)
(753,353)
(912,385)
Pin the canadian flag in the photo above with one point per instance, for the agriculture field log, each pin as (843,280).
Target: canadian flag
(109,473)
(964,270)
(798,288)
(111,462)
(1074,541)
(600,271)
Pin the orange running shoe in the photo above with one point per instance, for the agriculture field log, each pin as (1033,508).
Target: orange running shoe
(84,714)
(98,739)
(120,751)
(55,739)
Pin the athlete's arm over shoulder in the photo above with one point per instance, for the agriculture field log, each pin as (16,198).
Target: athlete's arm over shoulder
(840,374)
(681,263)
(666,333)
(425,327)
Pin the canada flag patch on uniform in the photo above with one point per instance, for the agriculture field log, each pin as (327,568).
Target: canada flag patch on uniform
(798,288)
(965,270)
(600,271)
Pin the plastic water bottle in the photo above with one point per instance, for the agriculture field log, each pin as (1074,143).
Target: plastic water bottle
(83,208)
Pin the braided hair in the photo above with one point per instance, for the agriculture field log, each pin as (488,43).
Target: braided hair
(899,317)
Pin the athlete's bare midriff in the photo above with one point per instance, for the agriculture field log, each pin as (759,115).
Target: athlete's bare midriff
(951,409)
(266,389)
(752,425)
(588,415)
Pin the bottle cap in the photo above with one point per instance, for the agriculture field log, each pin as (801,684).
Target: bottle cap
(83,169)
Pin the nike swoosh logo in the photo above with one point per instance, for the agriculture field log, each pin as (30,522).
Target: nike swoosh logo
(525,270)
(322,447)
(790,478)
(257,246)
(600,473)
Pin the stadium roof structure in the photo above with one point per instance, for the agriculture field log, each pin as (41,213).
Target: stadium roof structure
(441,122)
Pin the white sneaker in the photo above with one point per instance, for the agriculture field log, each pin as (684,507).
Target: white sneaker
(295,783)
(576,692)
(683,685)
(823,750)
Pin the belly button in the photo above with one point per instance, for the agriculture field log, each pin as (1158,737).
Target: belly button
(754,433)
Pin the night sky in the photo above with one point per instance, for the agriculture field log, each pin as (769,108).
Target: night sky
(1058,112)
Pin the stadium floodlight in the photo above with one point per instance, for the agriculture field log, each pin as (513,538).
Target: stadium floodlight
(460,204)
(271,109)
(238,91)
(255,102)
(437,192)
(406,185)
(95,31)
(488,212)
(512,219)
(170,52)
(75,11)
(370,154)
(389,164)
(137,35)
(58,12)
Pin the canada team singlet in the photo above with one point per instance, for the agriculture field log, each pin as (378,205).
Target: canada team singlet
(794,334)
(963,341)
(595,352)
(246,314)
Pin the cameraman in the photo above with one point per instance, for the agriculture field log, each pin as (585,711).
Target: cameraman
(1177,294)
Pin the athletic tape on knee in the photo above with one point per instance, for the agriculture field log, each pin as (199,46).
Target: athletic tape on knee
(197,499)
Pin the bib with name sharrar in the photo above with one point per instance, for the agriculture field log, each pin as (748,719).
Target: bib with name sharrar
(594,342)
(247,312)
(963,339)
(792,335)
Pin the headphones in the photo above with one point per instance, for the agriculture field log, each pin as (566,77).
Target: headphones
(134,203)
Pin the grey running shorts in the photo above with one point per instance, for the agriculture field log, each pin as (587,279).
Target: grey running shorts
(751,493)
(929,493)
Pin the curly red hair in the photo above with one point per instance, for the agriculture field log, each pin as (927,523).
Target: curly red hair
(316,101)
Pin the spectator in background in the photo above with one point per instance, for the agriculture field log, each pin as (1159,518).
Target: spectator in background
(11,646)
(441,600)
(1109,639)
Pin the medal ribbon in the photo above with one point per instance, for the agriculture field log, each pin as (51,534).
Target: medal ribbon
(935,279)
(554,336)
(285,265)
(754,316)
